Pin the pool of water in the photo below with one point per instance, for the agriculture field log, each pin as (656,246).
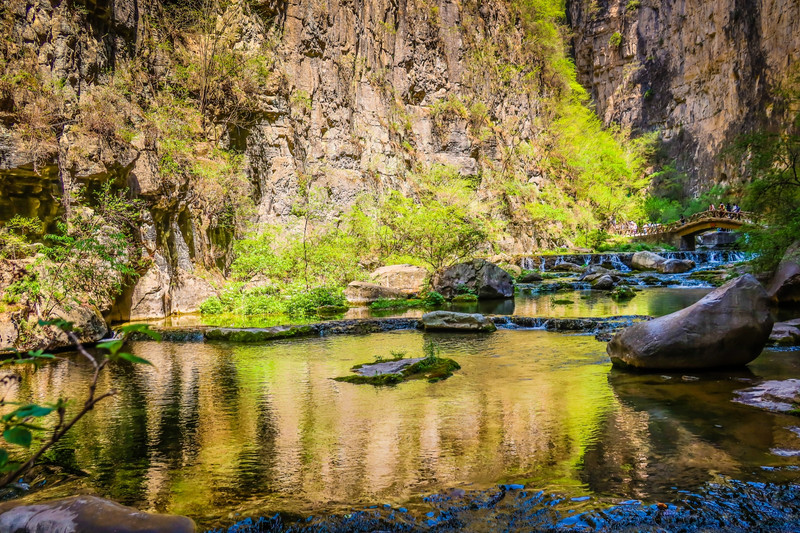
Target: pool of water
(220,431)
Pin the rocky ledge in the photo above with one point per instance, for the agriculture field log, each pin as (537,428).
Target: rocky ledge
(599,326)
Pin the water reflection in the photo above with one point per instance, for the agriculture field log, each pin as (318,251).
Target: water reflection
(215,429)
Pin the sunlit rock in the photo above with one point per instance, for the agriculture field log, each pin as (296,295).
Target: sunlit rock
(448,320)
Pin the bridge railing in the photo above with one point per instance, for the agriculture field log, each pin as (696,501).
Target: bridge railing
(629,229)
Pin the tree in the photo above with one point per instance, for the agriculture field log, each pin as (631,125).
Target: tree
(20,424)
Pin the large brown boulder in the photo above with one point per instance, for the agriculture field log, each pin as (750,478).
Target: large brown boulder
(728,327)
(188,292)
(83,514)
(785,285)
(487,280)
(408,279)
(362,292)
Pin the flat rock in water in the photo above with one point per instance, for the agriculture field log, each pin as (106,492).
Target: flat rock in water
(779,396)
(786,333)
(84,514)
(449,320)
(387,367)
(728,327)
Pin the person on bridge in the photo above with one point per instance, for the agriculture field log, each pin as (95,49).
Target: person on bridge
(721,207)
(682,220)
(711,207)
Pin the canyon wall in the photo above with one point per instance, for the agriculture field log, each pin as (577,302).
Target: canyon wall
(700,73)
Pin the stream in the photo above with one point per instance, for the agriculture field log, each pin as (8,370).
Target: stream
(535,431)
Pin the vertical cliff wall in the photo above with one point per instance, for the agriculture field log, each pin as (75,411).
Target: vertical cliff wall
(700,73)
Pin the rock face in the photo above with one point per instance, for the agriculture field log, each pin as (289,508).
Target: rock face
(81,514)
(785,285)
(699,73)
(362,292)
(728,327)
(408,279)
(485,279)
(448,320)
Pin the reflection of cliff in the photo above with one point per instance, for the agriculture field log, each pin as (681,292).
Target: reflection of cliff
(671,432)
(261,428)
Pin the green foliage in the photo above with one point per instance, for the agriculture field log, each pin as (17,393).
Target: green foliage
(434,299)
(87,261)
(22,425)
(15,236)
(773,165)
(615,40)
(212,306)
(633,5)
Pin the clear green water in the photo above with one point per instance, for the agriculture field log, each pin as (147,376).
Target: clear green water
(219,431)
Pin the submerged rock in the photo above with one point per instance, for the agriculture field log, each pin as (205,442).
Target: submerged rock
(82,514)
(408,279)
(785,285)
(728,327)
(449,320)
(780,396)
(484,279)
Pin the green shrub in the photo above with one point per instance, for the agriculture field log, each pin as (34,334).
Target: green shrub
(212,306)
(615,40)
(434,299)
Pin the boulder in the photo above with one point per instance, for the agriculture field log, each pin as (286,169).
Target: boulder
(189,292)
(566,266)
(81,514)
(646,261)
(728,327)
(784,288)
(408,279)
(485,279)
(449,320)
(675,266)
(603,283)
(530,277)
(362,292)
(622,292)
(786,333)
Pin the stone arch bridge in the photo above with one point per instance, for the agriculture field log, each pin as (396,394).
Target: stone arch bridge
(682,234)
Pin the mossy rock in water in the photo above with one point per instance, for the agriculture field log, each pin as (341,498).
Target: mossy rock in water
(257,335)
(431,368)
(464,298)
(622,292)
(712,277)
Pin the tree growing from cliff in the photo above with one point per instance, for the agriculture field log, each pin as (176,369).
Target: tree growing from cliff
(772,162)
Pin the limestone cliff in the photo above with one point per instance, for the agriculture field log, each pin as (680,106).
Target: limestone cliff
(347,97)
(700,73)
